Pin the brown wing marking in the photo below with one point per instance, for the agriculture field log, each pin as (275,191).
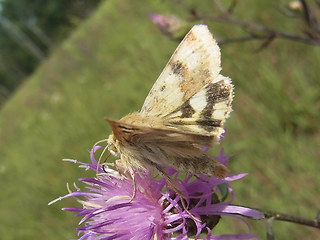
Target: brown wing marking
(206,111)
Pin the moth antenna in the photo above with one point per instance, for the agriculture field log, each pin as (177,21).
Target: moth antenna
(101,155)
(103,140)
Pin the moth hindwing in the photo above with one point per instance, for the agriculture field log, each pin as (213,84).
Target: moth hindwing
(184,110)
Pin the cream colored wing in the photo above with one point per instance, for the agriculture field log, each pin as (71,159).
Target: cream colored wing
(194,64)
(206,111)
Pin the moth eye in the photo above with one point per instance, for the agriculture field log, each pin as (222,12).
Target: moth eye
(111,145)
(113,148)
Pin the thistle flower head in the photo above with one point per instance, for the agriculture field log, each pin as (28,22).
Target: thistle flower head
(155,212)
(170,25)
(295,6)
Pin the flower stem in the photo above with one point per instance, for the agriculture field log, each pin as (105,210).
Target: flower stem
(291,218)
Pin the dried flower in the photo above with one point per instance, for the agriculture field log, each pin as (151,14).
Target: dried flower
(155,212)
(295,6)
(171,25)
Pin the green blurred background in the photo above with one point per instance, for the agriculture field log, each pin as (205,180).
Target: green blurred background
(106,67)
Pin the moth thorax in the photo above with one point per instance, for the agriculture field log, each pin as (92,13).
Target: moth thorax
(112,145)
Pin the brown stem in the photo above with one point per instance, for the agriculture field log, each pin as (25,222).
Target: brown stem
(315,223)
(229,18)
(294,219)
(268,33)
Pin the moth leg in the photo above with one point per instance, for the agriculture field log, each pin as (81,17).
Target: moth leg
(124,172)
(119,167)
(185,208)
(103,165)
(200,178)
(134,187)
(174,186)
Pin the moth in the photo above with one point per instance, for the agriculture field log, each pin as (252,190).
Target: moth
(184,111)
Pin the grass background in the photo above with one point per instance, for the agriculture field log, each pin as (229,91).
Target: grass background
(107,67)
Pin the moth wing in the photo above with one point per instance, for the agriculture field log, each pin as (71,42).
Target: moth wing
(206,111)
(125,132)
(194,64)
(161,148)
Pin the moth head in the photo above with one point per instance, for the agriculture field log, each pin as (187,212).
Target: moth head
(112,141)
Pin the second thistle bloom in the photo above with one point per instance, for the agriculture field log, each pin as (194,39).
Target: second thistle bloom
(170,25)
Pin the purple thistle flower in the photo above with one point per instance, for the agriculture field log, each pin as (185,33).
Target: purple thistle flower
(170,25)
(155,212)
